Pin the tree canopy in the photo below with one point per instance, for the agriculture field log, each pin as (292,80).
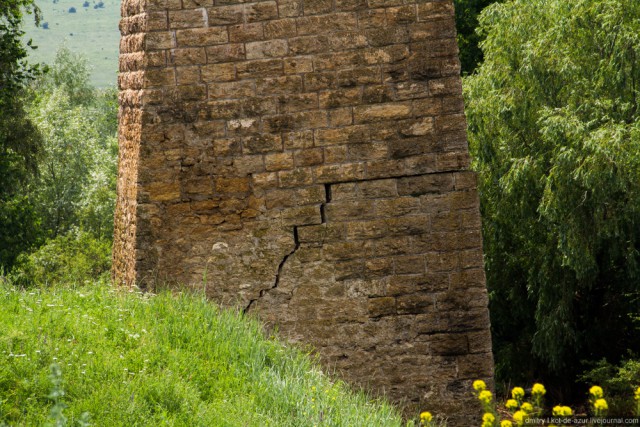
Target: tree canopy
(19,139)
(554,129)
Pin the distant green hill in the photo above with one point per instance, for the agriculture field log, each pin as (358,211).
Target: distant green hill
(91,30)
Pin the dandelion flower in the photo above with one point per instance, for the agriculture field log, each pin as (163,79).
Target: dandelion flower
(596,392)
(538,390)
(511,404)
(517,393)
(479,385)
(485,396)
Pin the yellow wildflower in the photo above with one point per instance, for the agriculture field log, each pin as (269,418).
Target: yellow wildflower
(517,393)
(479,385)
(506,423)
(425,417)
(538,390)
(488,417)
(519,417)
(637,394)
(596,392)
(562,411)
(527,407)
(600,405)
(511,404)
(485,396)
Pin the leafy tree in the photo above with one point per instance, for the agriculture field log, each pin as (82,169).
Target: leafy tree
(15,72)
(554,127)
(467,12)
(19,139)
(76,187)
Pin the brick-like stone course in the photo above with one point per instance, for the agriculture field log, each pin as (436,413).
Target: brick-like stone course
(306,160)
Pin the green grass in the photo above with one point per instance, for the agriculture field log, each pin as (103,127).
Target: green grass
(143,360)
(91,32)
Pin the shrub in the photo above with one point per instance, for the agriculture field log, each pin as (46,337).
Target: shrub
(70,259)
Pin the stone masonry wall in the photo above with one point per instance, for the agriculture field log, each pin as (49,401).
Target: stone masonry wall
(306,160)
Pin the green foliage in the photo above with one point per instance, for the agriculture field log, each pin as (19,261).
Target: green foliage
(618,381)
(76,186)
(15,72)
(19,228)
(74,258)
(145,360)
(555,131)
(70,200)
(467,12)
(19,139)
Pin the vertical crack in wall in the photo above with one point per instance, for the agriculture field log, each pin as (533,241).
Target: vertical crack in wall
(327,199)
(296,240)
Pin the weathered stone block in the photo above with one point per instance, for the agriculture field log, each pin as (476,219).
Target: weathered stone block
(159,77)
(308,45)
(289,8)
(225,15)
(309,157)
(266,49)
(303,215)
(190,18)
(314,7)
(295,178)
(390,111)
(163,191)
(246,32)
(262,144)
(159,40)
(261,11)
(435,10)
(218,72)
(261,68)
(188,56)
(201,36)
(298,65)
(231,90)
(384,306)
(224,53)
(278,161)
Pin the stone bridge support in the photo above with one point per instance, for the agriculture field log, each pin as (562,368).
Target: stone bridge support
(307,161)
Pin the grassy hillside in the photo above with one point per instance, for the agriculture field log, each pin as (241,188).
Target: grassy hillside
(130,359)
(91,30)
